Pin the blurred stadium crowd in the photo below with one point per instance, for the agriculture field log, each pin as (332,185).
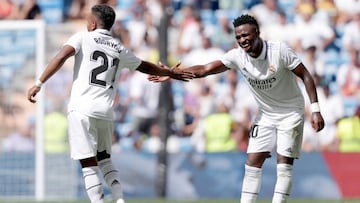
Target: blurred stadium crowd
(212,114)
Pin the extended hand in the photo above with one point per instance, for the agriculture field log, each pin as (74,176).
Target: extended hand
(156,78)
(175,73)
(317,121)
(181,74)
(32,93)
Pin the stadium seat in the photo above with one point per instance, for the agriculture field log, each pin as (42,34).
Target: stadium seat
(208,17)
(124,4)
(350,105)
(52,10)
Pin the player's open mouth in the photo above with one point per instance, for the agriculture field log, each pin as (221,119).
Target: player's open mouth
(245,46)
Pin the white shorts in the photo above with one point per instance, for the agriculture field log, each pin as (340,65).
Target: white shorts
(88,135)
(284,135)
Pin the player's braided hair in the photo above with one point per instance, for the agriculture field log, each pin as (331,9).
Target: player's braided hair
(245,19)
(105,14)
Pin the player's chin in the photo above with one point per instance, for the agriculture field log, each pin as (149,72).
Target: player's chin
(247,49)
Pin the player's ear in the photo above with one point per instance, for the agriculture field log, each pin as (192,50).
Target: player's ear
(91,23)
(257,31)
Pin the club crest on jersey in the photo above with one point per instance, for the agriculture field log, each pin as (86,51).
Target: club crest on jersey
(271,69)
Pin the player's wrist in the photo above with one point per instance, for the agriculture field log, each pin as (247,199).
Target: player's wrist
(38,83)
(315,107)
(171,70)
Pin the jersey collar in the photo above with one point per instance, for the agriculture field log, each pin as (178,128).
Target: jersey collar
(263,53)
(103,31)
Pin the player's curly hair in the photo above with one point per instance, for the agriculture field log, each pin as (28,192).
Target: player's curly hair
(105,14)
(245,19)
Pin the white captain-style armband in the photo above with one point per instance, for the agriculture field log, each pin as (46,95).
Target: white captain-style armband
(38,83)
(315,107)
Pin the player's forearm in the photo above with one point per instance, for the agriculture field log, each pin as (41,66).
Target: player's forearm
(198,70)
(152,69)
(54,65)
(310,88)
(211,68)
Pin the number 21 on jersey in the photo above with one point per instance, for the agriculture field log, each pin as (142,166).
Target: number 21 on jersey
(109,71)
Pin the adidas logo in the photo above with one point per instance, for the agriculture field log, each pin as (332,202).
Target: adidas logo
(115,182)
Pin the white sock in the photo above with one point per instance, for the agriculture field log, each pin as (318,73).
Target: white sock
(251,184)
(93,184)
(283,183)
(111,176)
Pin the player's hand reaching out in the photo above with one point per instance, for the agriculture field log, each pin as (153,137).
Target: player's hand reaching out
(317,121)
(156,78)
(32,93)
(176,73)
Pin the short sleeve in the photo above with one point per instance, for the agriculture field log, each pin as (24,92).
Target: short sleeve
(75,41)
(289,58)
(129,60)
(227,59)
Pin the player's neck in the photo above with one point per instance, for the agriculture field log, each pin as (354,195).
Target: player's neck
(257,49)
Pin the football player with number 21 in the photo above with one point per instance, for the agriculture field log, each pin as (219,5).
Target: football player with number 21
(98,59)
(271,70)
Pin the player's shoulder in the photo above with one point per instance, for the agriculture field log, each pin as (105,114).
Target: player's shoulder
(234,54)
(80,33)
(274,44)
(278,46)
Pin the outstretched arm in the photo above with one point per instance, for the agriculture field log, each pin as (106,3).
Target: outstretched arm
(162,70)
(197,70)
(54,65)
(317,120)
(207,69)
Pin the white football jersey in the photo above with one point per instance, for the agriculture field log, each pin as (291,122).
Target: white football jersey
(269,77)
(98,59)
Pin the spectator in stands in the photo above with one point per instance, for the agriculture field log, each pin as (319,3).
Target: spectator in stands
(115,147)
(151,142)
(325,139)
(232,5)
(205,106)
(346,10)
(348,77)
(241,108)
(217,130)
(267,12)
(313,59)
(144,99)
(281,31)
(223,34)
(190,29)
(348,135)
(29,10)
(241,136)
(190,116)
(309,30)
(8,10)
(351,35)
(137,27)
(55,131)
(79,9)
(21,140)
(120,32)
(203,54)
(327,12)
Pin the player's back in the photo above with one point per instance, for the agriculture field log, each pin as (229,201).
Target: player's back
(96,66)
